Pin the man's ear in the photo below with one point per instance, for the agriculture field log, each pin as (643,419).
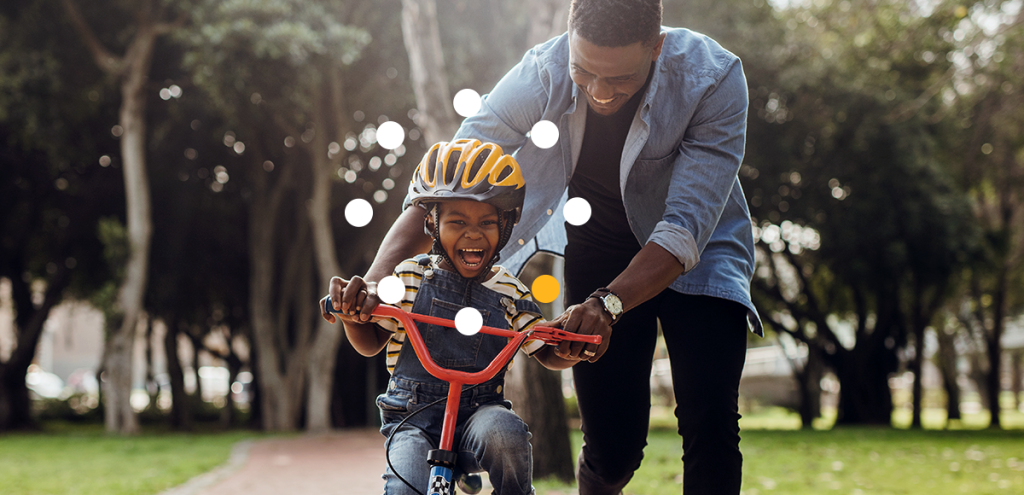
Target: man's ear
(657,47)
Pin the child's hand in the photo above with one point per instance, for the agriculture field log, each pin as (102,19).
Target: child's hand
(356,299)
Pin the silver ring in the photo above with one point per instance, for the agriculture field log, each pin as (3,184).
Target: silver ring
(589,353)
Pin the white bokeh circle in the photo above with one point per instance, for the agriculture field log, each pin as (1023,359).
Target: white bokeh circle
(544,134)
(391,289)
(468,321)
(358,212)
(390,135)
(576,211)
(467,102)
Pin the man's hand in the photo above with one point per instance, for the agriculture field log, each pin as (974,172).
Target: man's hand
(587,318)
(356,299)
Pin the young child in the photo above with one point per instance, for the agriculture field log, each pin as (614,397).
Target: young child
(472,194)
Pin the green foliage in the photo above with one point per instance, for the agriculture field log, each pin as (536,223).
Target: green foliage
(276,47)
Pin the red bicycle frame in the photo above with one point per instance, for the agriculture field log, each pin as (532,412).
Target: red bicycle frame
(442,468)
(456,379)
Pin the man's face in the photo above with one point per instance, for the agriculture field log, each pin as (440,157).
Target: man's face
(610,76)
(469,234)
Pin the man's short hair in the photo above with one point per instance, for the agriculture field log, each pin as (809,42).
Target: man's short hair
(616,23)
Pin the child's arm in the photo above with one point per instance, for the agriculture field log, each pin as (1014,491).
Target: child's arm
(547,357)
(356,299)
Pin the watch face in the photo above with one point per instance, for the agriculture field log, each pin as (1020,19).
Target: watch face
(613,303)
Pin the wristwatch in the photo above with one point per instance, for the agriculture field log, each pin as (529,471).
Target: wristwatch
(610,302)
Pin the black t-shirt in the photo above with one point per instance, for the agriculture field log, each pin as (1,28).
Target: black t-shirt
(606,237)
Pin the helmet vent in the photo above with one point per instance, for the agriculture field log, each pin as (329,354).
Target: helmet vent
(504,173)
(452,166)
(429,170)
(477,164)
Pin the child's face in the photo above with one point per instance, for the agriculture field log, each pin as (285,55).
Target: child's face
(469,234)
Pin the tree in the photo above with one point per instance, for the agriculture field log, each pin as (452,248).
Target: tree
(131,72)
(986,103)
(295,80)
(54,187)
(840,144)
(427,70)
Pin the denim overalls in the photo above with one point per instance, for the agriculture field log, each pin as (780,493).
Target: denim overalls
(488,435)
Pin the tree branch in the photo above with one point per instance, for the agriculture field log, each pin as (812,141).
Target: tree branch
(106,60)
(169,27)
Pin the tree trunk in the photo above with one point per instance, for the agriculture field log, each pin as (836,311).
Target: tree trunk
(181,415)
(919,323)
(1018,376)
(196,342)
(150,381)
(119,416)
(426,67)
(15,405)
(227,414)
(324,350)
(809,383)
(863,373)
(357,380)
(948,368)
(280,358)
(993,382)
(132,71)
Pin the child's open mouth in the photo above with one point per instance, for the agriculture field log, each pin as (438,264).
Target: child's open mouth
(471,257)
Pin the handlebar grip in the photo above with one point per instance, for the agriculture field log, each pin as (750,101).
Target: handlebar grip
(328,307)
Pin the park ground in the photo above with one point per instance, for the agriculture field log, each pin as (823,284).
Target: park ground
(81,459)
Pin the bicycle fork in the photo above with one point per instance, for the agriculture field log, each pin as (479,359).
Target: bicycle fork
(442,460)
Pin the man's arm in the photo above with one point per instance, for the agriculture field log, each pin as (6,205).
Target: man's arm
(652,270)
(404,240)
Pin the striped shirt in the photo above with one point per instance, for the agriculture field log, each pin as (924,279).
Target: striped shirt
(503,282)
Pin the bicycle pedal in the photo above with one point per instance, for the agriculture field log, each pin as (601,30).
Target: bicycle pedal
(470,483)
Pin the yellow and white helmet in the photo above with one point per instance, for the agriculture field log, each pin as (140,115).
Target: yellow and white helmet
(469,169)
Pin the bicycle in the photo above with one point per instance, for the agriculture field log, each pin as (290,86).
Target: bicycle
(442,460)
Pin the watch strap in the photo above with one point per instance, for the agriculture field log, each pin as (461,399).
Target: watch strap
(600,294)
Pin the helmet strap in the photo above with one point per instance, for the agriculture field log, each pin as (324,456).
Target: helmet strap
(436,247)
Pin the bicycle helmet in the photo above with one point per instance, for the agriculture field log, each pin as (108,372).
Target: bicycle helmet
(467,169)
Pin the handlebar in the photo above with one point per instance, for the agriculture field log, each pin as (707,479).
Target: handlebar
(548,335)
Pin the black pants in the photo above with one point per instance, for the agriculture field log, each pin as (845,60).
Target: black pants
(706,340)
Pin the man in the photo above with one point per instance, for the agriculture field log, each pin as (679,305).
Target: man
(652,126)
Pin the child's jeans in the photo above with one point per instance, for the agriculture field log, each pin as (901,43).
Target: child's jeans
(488,435)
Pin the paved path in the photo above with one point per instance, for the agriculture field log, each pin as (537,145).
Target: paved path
(347,462)
(344,462)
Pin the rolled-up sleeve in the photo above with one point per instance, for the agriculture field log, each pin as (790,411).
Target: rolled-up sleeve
(705,170)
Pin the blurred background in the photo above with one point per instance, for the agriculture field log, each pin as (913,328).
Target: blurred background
(174,178)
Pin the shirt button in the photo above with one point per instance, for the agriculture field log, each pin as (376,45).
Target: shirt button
(549,211)
(391,385)
(498,389)
(521,242)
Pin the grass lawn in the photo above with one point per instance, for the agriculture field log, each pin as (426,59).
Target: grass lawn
(847,460)
(82,459)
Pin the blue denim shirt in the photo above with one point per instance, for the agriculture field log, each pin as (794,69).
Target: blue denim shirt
(678,174)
